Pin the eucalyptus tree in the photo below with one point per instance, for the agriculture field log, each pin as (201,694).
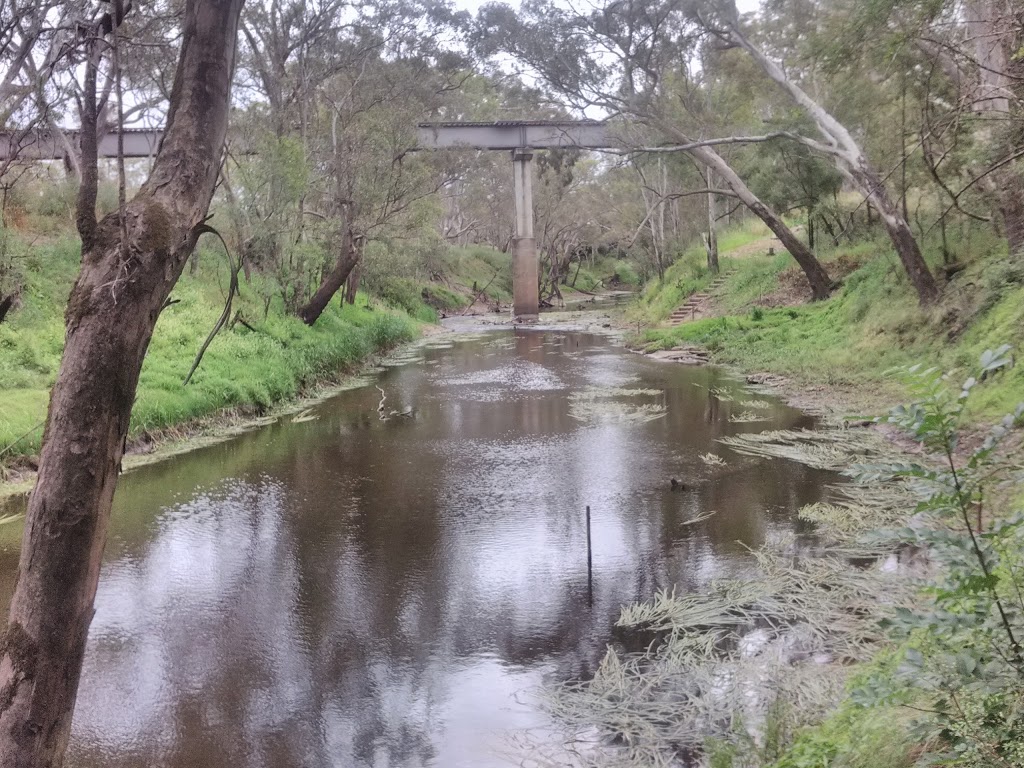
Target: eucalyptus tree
(789,176)
(380,189)
(632,60)
(336,89)
(131,259)
(721,19)
(976,45)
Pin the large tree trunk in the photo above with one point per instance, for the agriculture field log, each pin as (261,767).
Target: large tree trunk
(110,318)
(711,244)
(6,303)
(990,27)
(334,280)
(821,284)
(851,160)
(352,284)
(899,231)
(1011,209)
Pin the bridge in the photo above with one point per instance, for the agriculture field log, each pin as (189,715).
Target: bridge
(519,137)
(45,145)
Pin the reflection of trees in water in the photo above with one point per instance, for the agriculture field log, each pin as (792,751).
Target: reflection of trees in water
(320,609)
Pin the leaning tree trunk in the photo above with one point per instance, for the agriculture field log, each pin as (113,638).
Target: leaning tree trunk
(110,318)
(821,284)
(817,277)
(347,259)
(850,160)
(899,231)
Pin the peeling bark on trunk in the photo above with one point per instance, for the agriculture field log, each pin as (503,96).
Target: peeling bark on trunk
(348,258)
(110,318)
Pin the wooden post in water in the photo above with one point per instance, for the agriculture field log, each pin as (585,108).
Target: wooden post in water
(590,564)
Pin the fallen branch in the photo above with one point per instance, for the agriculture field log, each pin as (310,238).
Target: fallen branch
(226,313)
(481,292)
(238,319)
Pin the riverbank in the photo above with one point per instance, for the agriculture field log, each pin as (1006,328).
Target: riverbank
(796,741)
(263,361)
(844,349)
(840,360)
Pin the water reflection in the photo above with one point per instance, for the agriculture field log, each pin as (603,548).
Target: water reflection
(357,592)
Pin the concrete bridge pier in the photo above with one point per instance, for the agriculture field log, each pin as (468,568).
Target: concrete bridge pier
(525,264)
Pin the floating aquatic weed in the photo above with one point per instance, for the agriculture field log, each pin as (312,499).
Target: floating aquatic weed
(829,449)
(783,639)
(722,395)
(601,405)
(746,417)
(637,393)
(712,460)
(730,658)
(398,359)
(610,412)
(760,405)
(304,416)
(501,344)
(700,518)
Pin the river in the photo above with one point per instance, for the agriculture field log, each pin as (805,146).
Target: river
(342,589)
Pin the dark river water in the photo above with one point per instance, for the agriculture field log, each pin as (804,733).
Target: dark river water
(351,591)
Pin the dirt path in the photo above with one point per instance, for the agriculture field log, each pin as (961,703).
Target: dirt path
(759,247)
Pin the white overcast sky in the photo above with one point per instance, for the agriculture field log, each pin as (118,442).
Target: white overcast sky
(472,5)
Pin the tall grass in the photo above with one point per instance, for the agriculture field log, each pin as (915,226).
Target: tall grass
(241,369)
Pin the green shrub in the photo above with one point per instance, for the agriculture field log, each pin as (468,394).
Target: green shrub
(963,651)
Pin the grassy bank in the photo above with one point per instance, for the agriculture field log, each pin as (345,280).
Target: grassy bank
(870,325)
(934,687)
(244,368)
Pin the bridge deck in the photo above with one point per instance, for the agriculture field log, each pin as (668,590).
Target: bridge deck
(500,135)
(44,145)
(509,134)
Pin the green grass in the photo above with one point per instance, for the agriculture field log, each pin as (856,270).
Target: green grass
(743,234)
(686,276)
(871,325)
(854,738)
(481,266)
(241,369)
